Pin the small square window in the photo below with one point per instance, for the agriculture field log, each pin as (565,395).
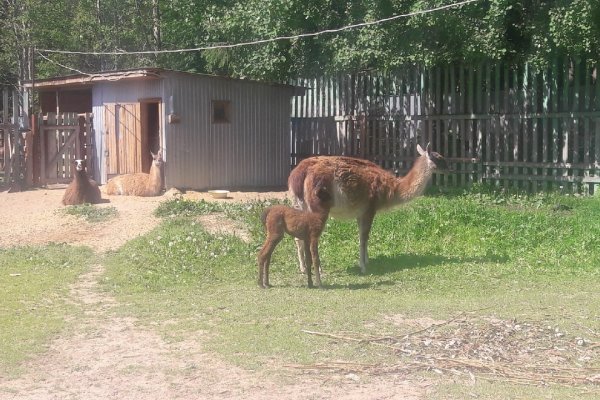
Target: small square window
(221,111)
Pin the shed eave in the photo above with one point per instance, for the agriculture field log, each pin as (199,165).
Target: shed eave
(91,79)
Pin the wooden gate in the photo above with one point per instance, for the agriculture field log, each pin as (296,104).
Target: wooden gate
(124,140)
(63,138)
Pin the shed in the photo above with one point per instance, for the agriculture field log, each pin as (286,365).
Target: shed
(215,132)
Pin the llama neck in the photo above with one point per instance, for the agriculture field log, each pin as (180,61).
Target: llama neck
(414,183)
(155,177)
(81,178)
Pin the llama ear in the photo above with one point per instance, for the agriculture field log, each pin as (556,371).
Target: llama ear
(420,150)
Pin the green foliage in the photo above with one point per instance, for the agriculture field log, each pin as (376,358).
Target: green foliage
(91,213)
(34,283)
(498,30)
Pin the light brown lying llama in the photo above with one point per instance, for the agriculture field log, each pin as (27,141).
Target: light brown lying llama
(356,188)
(81,189)
(139,184)
(303,225)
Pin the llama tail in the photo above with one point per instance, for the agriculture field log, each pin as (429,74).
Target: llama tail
(296,180)
(263,217)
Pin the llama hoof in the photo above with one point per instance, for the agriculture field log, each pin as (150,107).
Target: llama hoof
(263,286)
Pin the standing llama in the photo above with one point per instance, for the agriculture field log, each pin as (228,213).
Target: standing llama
(81,189)
(356,188)
(139,184)
(303,225)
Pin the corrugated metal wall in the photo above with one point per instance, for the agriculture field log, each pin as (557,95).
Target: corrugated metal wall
(251,151)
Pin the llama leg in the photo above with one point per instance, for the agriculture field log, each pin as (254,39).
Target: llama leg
(308,259)
(314,250)
(266,283)
(301,206)
(261,266)
(365,222)
(301,257)
(264,261)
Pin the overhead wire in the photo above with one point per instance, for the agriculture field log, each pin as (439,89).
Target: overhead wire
(262,41)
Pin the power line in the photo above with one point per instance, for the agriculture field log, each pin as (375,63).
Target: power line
(62,65)
(262,41)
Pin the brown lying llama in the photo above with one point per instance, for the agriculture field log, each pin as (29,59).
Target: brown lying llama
(139,184)
(303,225)
(81,189)
(356,188)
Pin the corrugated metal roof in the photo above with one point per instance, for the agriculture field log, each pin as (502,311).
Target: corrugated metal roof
(124,74)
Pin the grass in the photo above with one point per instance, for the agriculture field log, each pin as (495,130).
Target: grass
(34,282)
(91,213)
(533,259)
(530,258)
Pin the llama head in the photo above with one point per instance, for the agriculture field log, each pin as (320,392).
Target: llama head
(435,160)
(78,165)
(157,158)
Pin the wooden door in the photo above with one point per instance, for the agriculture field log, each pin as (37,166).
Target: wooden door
(124,140)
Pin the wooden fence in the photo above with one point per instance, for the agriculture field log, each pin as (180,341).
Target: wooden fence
(11,139)
(511,126)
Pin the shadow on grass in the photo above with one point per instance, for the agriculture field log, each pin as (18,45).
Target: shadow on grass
(357,286)
(386,265)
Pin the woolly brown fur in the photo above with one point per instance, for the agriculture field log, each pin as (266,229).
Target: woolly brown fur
(139,184)
(357,188)
(306,226)
(82,189)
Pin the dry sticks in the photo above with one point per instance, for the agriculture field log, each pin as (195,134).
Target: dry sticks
(487,348)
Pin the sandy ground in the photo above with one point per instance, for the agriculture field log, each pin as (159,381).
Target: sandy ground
(108,357)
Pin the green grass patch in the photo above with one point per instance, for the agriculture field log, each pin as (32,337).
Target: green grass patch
(530,258)
(34,282)
(91,213)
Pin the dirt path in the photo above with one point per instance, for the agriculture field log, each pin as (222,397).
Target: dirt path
(110,357)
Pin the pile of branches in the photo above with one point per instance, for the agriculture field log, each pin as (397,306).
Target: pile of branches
(489,348)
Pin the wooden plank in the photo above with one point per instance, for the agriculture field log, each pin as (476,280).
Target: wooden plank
(470,125)
(16,111)
(596,124)
(586,124)
(5,111)
(477,108)
(506,122)
(43,176)
(527,133)
(443,125)
(51,141)
(565,125)
(110,127)
(29,154)
(498,110)
(516,142)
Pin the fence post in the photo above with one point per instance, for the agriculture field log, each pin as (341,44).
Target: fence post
(42,134)
(29,154)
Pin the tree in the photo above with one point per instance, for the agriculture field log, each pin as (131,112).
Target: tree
(513,31)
